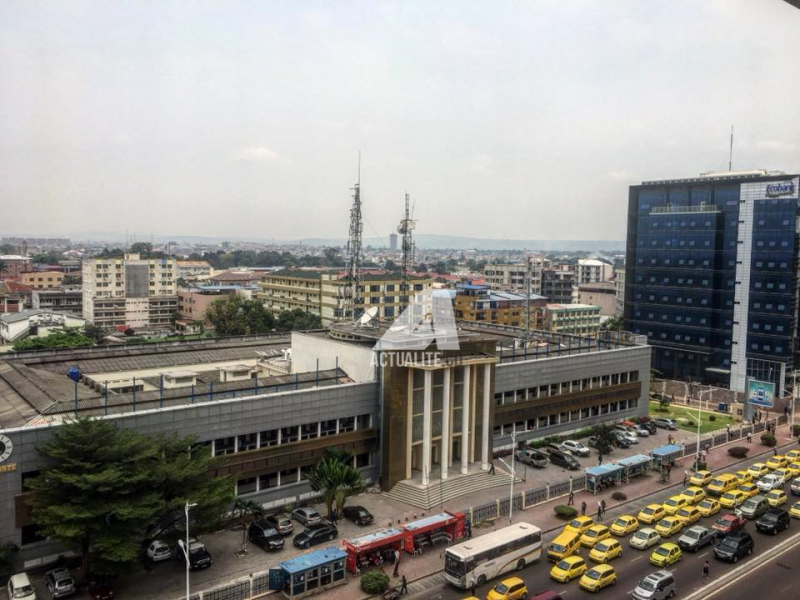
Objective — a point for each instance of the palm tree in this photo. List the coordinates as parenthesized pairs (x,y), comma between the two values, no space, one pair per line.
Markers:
(246,512)
(336,480)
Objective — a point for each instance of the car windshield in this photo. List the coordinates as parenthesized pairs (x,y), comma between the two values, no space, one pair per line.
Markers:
(647,585)
(683,512)
(591,533)
(725,521)
(501,588)
(453,565)
(729,543)
(576,524)
(556,547)
(718,482)
(692,534)
(750,504)
(770,517)
(665,523)
(662,551)
(621,522)
(729,496)
(601,547)
(706,504)
(648,511)
(22,592)
(642,535)
(672,502)
(565,565)
(593,574)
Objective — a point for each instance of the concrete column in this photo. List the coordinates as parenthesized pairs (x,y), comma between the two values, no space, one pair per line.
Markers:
(445,454)
(465,408)
(426,427)
(485,439)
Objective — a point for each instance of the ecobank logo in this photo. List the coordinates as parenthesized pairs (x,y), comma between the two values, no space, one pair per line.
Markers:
(782,188)
(428,319)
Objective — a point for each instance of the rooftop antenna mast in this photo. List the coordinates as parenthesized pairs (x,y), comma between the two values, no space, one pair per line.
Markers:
(528,286)
(406,229)
(730,154)
(353,304)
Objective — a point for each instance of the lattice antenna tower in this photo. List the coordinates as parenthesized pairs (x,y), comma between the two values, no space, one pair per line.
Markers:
(406,229)
(528,287)
(353,304)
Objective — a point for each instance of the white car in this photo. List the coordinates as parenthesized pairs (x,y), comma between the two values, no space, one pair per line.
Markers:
(631,437)
(158,551)
(796,486)
(20,588)
(575,448)
(641,431)
(645,538)
(770,482)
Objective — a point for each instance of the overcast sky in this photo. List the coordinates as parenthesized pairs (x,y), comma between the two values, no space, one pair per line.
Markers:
(501,119)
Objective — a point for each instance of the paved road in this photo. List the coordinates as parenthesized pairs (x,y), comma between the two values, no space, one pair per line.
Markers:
(634,566)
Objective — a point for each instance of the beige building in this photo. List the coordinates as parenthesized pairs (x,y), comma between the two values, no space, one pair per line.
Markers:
(619,292)
(575,319)
(194,270)
(602,294)
(512,276)
(130,292)
(591,270)
(321,292)
(42,280)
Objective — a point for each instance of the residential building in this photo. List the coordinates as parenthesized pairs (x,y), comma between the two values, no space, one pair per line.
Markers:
(591,270)
(557,284)
(602,294)
(513,276)
(711,275)
(619,293)
(193,302)
(14,296)
(290,289)
(67,299)
(194,270)
(42,280)
(130,292)
(18,326)
(478,303)
(14,265)
(242,278)
(573,319)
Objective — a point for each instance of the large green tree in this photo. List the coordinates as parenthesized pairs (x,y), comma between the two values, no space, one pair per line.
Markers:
(65,337)
(297,320)
(102,487)
(335,479)
(236,315)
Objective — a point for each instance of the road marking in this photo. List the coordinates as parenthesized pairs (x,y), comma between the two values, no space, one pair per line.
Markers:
(637,558)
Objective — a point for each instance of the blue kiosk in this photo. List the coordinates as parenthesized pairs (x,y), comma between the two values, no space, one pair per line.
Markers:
(603,476)
(666,455)
(310,573)
(635,465)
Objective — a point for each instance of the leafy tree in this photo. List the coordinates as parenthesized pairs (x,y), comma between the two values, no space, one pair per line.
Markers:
(94,333)
(69,337)
(71,280)
(246,511)
(236,315)
(298,320)
(111,253)
(612,324)
(390,265)
(3,265)
(336,480)
(605,441)
(143,249)
(422,268)
(103,486)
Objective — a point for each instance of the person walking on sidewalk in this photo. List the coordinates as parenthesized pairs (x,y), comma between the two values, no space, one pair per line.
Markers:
(603,508)
(749,437)
(583,508)
(728,427)
(491,469)
(685,477)
(599,459)
(403,586)
(396,564)
(599,510)
(706,570)
(571,498)
(774,451)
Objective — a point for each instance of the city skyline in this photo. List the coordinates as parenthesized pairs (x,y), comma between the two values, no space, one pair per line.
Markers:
(246,121)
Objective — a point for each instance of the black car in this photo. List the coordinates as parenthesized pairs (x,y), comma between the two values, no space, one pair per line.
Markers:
(265,536)
(316,534)
(773,521)
(199,556)
(563,460)
(358,515)
(650,426)
(734,546)
(620,440)
(100,588)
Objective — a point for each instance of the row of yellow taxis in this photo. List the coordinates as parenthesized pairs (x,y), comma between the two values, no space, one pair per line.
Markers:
(706,495)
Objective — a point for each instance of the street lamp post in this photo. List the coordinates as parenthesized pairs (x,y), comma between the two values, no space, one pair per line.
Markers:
(186,546)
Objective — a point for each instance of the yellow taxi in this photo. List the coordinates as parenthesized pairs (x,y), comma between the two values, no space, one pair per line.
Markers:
(598,577)
(732,499)
(606,550)
(666,555)
(579,524)
(794,512)
(784,473)
(700,478)
(792,470)
(708,507)
(568,569)
(793,455)
(749,490)
(744,477)
(777,462)
(595,533)
(669,526)
(695,495)
(652,513)
(758,470)
(776,497)
(623,525)
(512,588)
(689,515)
(673,504)
(722,483)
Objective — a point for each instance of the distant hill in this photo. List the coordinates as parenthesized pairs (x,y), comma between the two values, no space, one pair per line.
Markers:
(432,241)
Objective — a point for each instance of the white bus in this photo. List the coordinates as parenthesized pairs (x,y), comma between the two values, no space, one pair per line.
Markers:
(482,558)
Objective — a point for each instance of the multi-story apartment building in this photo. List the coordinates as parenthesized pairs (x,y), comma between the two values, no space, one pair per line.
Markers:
(557,284)
(193,270)
(573,319)
(478,303)
(619,292)
(591,270)
(513,276)
(130,292)
(42,280)
(194,302)
(14,265)
(601,294)
(62,300)
(711,275)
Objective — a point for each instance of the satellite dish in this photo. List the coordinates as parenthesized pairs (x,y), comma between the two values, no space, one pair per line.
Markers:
(368,316)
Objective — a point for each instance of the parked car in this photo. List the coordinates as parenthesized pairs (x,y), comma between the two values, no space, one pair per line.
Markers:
(770,482)
(358,515)
(99,587)
(664,423)
(650,426)
(695,538)
(306,516)
(60,583)
(158,550)
(265,536)
(625,428)
(773,521)
(316,534)
(728,523)
(641,430)
(282,523)
(592,442)
(796,487)
(532,457)
(734,546)
(19,587)
(564,460)
(656,586)
(575,448)
(628,436)
(199,556)
(621,440)
(512,588)
(550,448)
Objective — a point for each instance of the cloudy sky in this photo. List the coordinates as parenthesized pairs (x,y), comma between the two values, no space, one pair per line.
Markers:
(502,119)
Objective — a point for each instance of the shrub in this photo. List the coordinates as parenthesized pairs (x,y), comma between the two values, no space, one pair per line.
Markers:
(565,512)
(712,417)
(374,582)
(738,451)
(768,440)
(795,430)
(7,551)
(619,496)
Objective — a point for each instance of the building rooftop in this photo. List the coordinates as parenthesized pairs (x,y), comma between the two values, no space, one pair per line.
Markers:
(711,176)
(24,315)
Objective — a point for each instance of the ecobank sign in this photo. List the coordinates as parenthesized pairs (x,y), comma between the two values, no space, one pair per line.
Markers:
(781,188)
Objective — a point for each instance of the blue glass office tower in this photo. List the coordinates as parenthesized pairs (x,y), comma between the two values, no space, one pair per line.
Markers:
(711,275)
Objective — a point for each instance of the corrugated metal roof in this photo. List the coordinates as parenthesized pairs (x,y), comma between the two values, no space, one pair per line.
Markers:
(310,560)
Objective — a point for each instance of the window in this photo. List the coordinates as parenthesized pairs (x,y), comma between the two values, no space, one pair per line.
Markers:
(246,486)
(289,434)
(329,427)
(288,476)
(364,421)
(248,441)
(224,446)
(268,480)
(347,424)
(363,460)
(309,431)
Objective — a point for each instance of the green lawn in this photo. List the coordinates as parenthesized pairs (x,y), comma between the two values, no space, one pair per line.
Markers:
(687,417)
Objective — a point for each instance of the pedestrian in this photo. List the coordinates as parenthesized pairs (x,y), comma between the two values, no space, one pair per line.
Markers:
(706,570)
(599,459)
(669,470)
(728,427)
(685,477)
(599,510)
(403,586)
(396,572)
(583,508)
(749,437)
(491,469)
(775,451)
(603,507)
(571,499)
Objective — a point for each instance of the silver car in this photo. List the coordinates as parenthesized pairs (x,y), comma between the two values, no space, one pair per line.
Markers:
(306,516)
